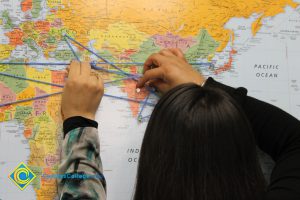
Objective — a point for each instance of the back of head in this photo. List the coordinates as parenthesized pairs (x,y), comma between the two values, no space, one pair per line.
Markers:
(198,145)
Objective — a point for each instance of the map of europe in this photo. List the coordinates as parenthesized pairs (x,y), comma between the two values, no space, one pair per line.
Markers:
(254,44)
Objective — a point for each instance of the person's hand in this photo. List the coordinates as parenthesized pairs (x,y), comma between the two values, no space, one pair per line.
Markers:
(82,93)
(168,69)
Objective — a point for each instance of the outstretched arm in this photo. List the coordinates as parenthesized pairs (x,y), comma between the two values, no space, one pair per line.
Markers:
(81,165)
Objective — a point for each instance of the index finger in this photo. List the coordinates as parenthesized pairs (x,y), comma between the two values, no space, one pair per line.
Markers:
(74,70)
(157,73)
(154,59)
(85,69)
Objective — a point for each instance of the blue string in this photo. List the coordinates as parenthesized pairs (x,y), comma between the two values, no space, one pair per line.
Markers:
(146,117)
(29,99)
(32,63)
(122,79)
(101,63)
(119,72)
(29,79)
(52,84)
(142,109)
(130,76)
(98,56)
(57,93)
(113,71)
(61,86)
(151,90)
(106,70)
(141,64)
(125,63)
(128,99)
(71,48)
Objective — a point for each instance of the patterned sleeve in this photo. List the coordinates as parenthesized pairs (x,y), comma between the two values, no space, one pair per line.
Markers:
(81,166)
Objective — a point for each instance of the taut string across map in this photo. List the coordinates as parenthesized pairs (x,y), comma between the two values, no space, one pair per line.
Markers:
(228,40)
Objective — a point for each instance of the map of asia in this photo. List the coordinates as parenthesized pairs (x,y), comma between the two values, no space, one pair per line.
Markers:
(254,44)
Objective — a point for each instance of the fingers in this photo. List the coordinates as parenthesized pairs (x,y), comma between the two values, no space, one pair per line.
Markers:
(166,52)
(85,69)
(177,52)
(82,72)
(74,70)
(154,59)
(157,73)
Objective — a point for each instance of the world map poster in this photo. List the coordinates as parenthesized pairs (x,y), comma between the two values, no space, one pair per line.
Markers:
(253,44)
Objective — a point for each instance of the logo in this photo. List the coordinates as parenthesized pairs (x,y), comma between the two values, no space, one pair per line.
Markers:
(22,176)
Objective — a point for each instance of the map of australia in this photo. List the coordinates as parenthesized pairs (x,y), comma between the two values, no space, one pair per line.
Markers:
(230,40)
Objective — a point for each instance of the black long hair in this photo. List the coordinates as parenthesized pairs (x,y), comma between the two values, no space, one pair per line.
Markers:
(198,145)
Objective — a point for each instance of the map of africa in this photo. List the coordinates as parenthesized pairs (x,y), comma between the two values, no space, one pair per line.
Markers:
(254,44)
